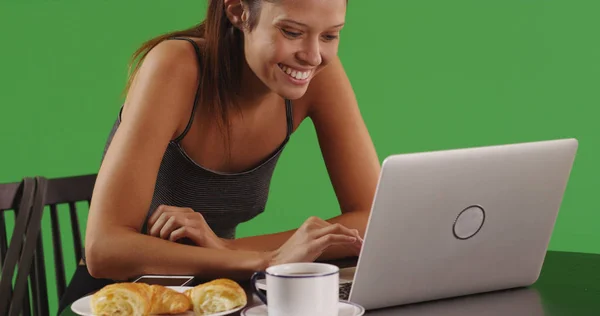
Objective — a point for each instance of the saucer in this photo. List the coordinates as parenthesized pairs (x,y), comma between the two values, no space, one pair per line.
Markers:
(345,309)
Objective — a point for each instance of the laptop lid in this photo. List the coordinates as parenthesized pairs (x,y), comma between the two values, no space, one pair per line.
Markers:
(457,222)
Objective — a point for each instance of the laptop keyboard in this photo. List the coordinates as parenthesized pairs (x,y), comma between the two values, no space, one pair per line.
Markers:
(346,279)
(345,291)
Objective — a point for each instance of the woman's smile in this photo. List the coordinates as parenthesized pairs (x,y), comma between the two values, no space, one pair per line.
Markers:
(295,75)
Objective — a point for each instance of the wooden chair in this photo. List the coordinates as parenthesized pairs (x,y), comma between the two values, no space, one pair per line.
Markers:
(27,201)
(68,190)
(54,192)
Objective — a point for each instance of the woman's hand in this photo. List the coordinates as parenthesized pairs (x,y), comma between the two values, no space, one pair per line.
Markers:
(176,223)
(313,238)
(354,248)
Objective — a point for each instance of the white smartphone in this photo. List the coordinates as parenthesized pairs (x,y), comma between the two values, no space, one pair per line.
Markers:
(166,280)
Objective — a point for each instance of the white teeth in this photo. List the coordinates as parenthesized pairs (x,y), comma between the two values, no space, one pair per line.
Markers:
(294,73)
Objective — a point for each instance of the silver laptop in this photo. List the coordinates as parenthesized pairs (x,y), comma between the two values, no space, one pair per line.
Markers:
(457,222)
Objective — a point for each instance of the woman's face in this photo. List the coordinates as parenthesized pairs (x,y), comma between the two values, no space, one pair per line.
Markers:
(292,41)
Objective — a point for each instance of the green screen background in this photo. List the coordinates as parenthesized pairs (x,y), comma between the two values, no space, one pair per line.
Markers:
(428,75)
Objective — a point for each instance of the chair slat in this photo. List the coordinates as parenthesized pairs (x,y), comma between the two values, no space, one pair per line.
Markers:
(3,239)
(26,303)
(58,253)
(76,232)
(38,278)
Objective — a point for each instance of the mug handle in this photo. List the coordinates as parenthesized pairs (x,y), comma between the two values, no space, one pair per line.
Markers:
(255,277)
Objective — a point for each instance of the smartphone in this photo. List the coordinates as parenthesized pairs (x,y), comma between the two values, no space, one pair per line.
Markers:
(166,280)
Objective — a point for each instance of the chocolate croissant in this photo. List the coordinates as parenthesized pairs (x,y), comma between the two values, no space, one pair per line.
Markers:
(138,299)
(216,296)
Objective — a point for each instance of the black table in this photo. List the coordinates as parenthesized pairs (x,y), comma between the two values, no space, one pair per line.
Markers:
(568,285)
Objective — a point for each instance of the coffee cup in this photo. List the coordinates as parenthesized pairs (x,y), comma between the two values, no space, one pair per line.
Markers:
(300,289)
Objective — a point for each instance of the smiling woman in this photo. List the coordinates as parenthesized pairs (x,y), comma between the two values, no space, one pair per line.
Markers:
(208,112)
(295,38)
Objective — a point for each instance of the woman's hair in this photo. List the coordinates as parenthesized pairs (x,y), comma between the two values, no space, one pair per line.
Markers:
(221,60)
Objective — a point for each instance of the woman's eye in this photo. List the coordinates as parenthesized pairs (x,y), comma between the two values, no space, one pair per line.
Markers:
(330,37)
(290,34)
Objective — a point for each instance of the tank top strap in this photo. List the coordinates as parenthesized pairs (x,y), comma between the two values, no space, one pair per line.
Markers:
(194,107)
(289,113)
(191,41)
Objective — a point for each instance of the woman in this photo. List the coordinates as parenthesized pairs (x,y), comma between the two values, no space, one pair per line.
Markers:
(207,114)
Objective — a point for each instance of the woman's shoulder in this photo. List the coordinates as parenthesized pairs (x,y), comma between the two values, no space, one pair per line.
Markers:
(165,84)
(174,56)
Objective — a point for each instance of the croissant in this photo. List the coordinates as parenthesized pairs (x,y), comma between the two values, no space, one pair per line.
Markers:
(122,299)
(216,296)
(168,301)
(138,299)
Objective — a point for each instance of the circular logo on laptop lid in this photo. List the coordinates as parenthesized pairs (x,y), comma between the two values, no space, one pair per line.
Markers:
(469,222)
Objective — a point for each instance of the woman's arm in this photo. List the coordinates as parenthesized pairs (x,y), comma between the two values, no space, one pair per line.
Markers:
(157,108)
(349,155)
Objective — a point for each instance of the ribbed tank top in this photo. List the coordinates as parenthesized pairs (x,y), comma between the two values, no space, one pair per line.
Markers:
(224,199)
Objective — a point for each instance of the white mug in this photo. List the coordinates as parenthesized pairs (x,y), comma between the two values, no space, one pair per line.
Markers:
(300,289)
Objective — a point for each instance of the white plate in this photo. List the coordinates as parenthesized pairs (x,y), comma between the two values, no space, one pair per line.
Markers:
(345,309)
(82,305)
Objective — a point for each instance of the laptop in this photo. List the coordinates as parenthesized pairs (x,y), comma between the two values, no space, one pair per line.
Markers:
(457,222)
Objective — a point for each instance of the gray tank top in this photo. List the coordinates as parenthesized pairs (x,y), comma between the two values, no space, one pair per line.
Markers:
(224,199)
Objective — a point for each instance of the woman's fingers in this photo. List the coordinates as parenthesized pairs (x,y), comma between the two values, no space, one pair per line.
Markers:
(161,215)
(156,227)
(354,246)
(329,240)
(161,209)
(171,225)
(334,228)
(157,213)
(185,232)
(320,223)
(181,232)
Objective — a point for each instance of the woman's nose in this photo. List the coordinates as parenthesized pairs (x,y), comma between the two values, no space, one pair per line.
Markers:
(311,53)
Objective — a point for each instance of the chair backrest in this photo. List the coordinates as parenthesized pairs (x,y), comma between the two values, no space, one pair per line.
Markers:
(68,190)
(52,193)
(27,203)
